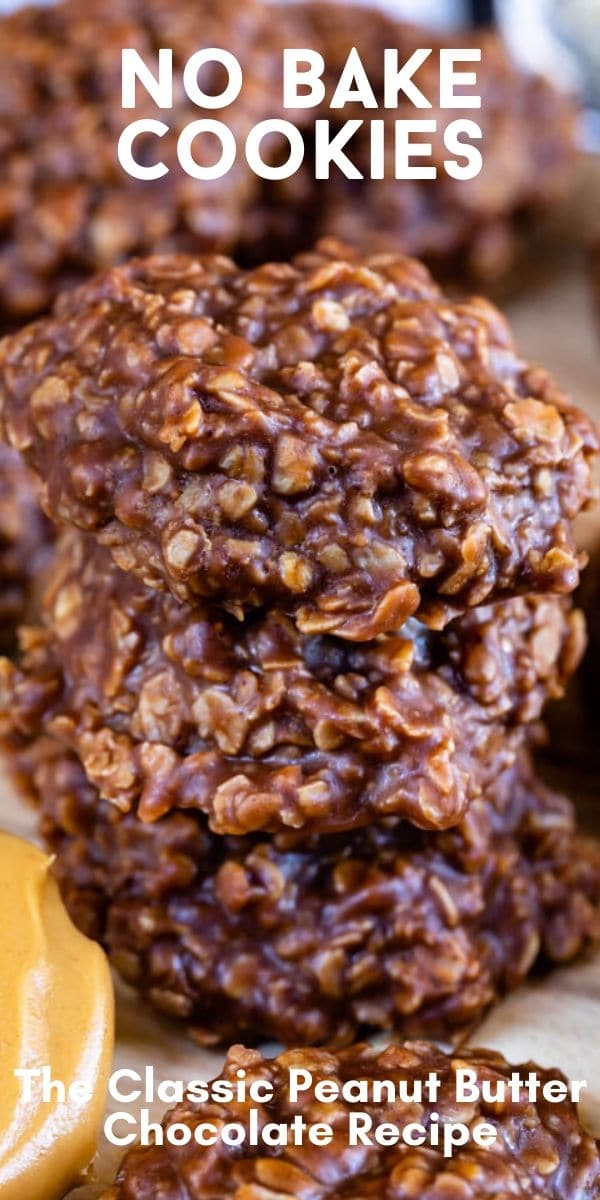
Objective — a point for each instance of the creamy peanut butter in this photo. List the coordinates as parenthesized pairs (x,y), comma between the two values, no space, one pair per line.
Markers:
(56,1011)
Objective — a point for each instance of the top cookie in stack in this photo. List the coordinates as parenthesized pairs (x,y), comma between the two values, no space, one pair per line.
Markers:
(303,455)
(67,208)
(331,435)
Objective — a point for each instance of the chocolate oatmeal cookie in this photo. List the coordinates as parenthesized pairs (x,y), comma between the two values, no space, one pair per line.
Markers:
(262,727)
(540,1151)
(309,940)
(333,436)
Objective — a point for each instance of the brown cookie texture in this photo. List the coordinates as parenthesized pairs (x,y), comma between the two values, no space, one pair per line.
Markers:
(66,204)
(311,940)
(572,752)
(331,435)
(540,1150)
(594,274)
(468,227)
(67,207)
(25,545)
(262,727)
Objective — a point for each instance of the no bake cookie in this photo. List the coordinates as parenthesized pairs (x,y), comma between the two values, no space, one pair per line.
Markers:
(332,435)
(262,727)
(309,940)
(67,207)
(540,1151)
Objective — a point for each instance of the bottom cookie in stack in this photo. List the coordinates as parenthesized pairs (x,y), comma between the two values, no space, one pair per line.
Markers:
(307,941)
(535,1148)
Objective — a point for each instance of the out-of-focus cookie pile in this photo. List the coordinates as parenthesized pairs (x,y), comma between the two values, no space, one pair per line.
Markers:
(67,206)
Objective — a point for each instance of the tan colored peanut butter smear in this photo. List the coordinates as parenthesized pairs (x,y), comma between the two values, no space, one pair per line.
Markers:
(56,1011)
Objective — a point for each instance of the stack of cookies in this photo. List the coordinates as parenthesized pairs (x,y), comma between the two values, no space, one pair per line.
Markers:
(310,598)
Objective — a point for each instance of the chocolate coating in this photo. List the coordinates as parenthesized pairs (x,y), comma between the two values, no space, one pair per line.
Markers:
(333,436)
(262,727)
(25,542)
(540,1152)
(308,941)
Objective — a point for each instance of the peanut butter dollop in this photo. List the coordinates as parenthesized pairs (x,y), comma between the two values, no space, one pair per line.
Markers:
(56,1011)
